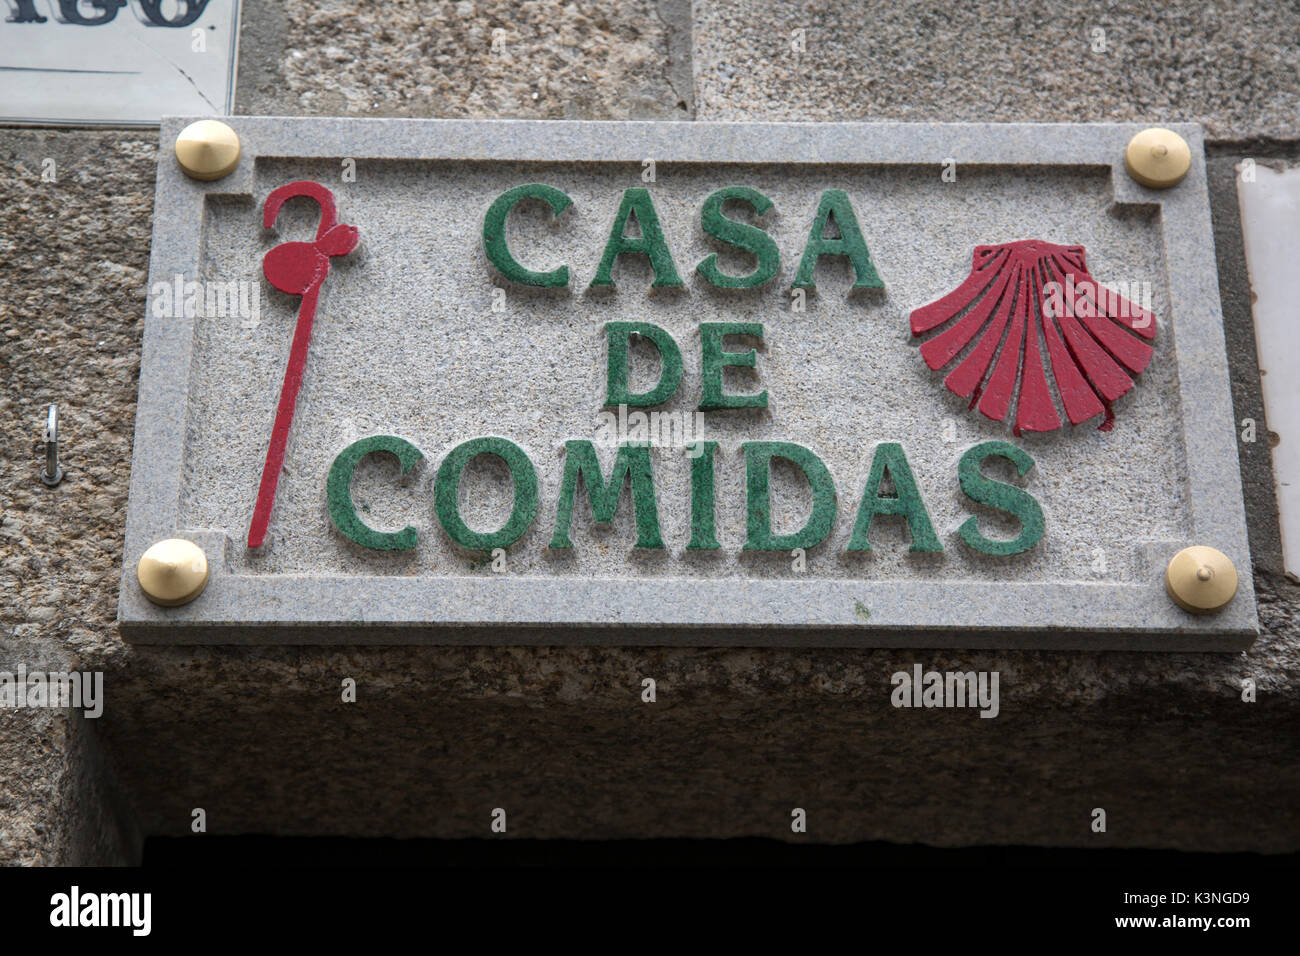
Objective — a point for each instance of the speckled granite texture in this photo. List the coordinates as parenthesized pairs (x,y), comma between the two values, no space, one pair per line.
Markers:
(440,736)
(1230,65)
(626,60)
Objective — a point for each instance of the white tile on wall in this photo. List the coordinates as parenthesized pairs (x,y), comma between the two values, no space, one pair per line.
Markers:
(1270,217)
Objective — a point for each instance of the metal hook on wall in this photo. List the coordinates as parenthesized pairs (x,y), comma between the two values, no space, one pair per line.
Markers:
(52,474)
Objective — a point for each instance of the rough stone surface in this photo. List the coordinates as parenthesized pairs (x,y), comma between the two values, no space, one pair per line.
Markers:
(1230,65)
(559,735)
(471,58)
(70,312)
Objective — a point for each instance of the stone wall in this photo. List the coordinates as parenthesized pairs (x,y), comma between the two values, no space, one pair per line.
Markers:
(258,737)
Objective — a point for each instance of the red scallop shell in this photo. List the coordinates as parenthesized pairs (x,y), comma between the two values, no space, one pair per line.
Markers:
(1004,308)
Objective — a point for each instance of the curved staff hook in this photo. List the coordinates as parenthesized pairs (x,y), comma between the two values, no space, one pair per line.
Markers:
(303,187)
(298,268)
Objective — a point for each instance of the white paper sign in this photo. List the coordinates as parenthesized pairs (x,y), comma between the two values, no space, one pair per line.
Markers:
(117,62)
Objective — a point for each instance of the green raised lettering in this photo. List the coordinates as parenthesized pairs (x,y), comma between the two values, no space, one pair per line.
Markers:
(633,462)
(741,235)
(998,494)
(338,492)
(494,234)
(906,501)
(713,360)
(835,205)
(616,337)
(447,493)
(703,533)
(758,467)
(636,203)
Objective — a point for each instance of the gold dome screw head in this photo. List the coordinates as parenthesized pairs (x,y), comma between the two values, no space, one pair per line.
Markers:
(1158,158)
(1201,580)
(207,150)
(173,572)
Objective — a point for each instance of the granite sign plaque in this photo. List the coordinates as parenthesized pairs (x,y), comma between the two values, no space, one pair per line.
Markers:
(654,383)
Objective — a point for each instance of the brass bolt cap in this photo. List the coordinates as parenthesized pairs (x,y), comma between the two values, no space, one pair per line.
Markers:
(207,150)
(173,572)
(1158,158)
(1200,579)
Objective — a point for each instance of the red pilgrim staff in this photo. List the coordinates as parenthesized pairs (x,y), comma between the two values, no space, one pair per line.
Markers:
(298,268)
